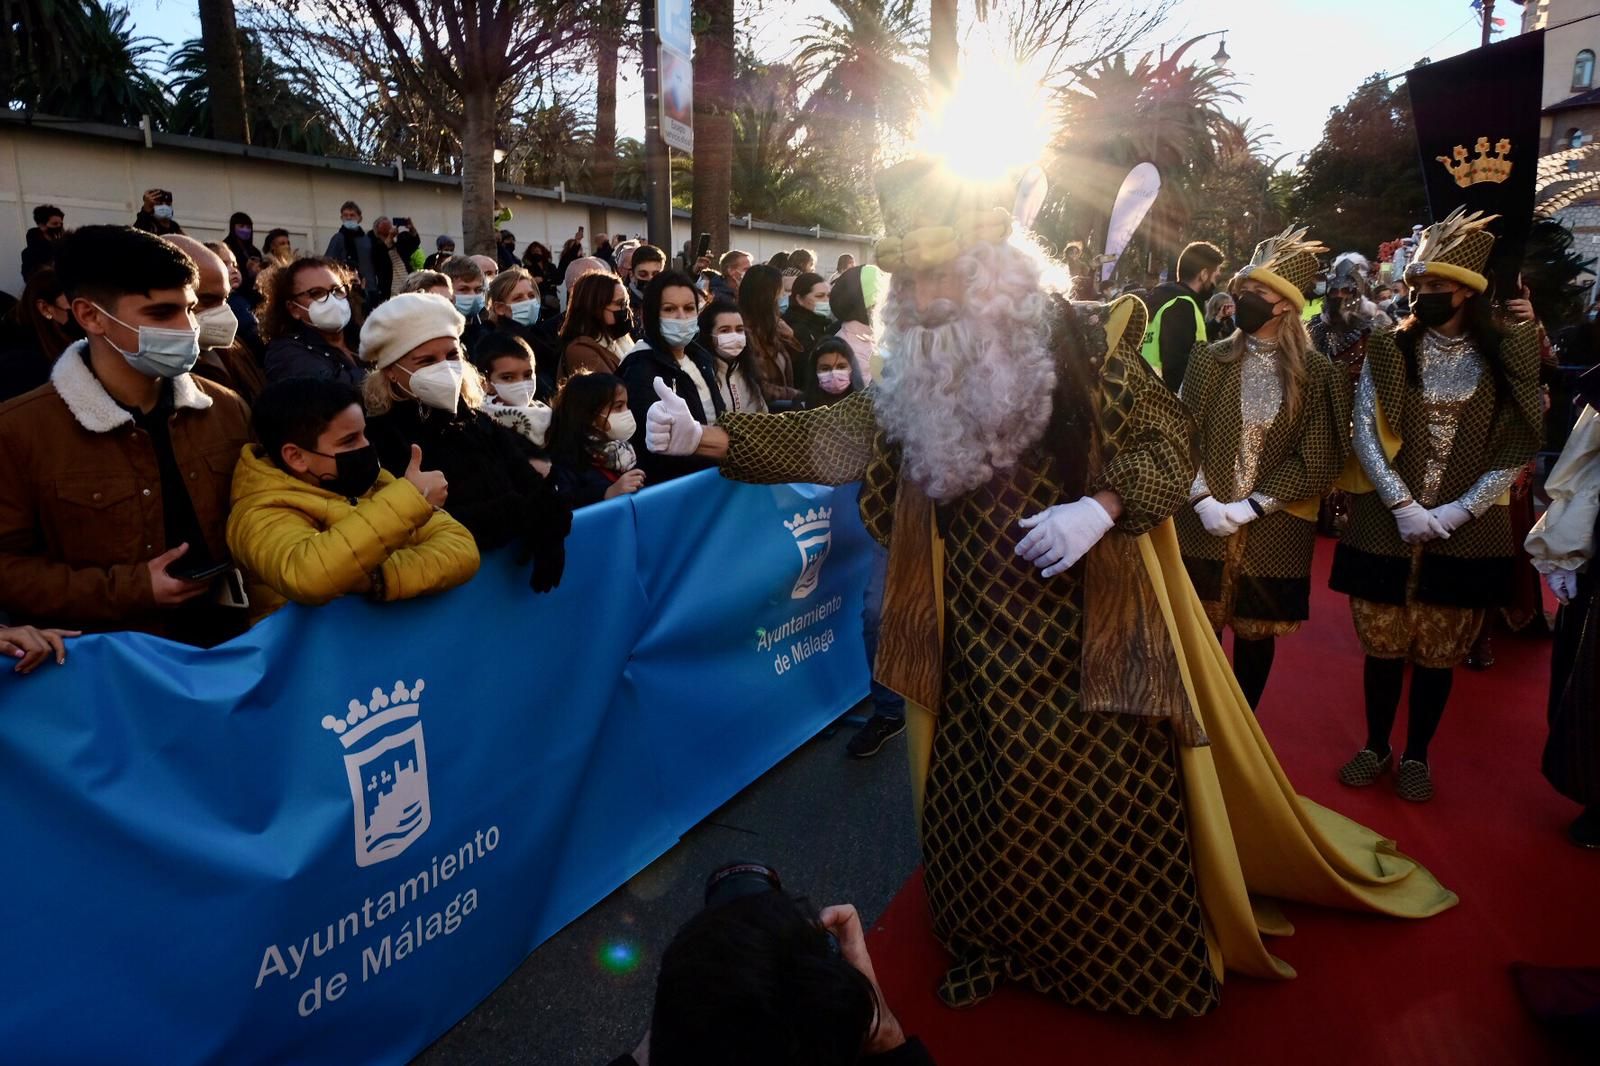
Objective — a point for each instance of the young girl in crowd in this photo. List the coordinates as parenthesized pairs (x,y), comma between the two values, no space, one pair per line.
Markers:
(851,300)
(590,436)
(831,373)
(738,379)
(514,309)
(507,365)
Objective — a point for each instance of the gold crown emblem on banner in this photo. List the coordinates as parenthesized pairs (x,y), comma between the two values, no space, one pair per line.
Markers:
(1484,166)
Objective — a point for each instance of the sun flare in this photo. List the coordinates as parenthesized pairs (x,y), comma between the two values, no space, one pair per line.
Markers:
(991,125)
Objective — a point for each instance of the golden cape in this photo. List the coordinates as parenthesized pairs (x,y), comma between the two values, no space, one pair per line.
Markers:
(1250,834)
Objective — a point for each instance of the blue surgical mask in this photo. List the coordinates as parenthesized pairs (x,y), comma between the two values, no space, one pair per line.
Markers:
(163,353)
(678,332)
(469,304)
(783,304)
(525,312)
(163,211)
(823,309)
(351,223)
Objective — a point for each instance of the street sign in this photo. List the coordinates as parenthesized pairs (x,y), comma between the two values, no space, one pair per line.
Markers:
(677,99)
(673,26)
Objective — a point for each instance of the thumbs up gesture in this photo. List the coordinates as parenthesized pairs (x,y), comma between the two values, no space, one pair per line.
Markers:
(432,484)
(669,428)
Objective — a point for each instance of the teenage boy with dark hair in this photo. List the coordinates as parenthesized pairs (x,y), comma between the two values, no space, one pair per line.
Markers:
(115,496)
(315,517)
(1177,312)
(648,261)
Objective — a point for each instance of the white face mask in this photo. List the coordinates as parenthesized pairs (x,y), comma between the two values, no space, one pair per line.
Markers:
(218,326)
(730,344)
(329,313)
(439,384)
(621,426)
(515,393)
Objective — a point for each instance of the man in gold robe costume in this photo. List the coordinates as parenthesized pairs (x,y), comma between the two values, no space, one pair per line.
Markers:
(1097,802)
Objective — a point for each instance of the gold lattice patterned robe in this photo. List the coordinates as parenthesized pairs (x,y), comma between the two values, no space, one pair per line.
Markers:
(1259,579)
(1054,839)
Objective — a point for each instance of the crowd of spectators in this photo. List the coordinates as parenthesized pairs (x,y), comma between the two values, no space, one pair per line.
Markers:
(200,432)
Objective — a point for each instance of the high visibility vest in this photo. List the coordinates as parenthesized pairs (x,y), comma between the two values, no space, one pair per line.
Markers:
(1152,335)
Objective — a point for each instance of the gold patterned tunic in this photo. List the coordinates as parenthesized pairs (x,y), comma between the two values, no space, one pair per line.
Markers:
(1055,841)
(1258,580)
(1465,426)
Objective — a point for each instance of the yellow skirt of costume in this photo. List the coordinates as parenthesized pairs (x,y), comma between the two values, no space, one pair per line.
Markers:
(1250,835)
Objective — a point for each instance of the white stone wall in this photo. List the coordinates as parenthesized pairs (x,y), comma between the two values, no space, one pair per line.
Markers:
(97,179)
(1584,221)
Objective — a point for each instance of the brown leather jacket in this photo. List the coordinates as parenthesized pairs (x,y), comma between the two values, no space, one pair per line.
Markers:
(80,502)
(587,354)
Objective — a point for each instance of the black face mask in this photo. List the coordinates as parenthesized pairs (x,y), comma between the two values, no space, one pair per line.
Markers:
(1433,308)
(1251,312)
(621,327)
(355,471)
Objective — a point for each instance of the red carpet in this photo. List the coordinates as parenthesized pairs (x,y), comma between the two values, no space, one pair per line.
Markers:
(1371,991)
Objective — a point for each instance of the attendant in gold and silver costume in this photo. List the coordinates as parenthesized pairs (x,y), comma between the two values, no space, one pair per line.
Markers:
(1099,810)
(1271,418)
(1446,413)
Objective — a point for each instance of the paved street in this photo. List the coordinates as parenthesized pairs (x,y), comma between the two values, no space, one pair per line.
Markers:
(837,829)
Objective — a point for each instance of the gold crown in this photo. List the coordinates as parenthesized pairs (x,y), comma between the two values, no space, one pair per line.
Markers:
(1484,166)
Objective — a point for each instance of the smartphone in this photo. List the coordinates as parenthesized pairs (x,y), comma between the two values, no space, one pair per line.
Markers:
(230,590)
(183,570)
(704,246)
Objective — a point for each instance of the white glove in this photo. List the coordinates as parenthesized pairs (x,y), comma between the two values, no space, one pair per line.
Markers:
(1564,583)
(1240,513)
(1214,517)
(1063,534)
(1418,524)
(669,428)
(1451,516)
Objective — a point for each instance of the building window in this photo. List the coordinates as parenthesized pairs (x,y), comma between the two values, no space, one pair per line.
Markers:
(1574,138)
(1583,70)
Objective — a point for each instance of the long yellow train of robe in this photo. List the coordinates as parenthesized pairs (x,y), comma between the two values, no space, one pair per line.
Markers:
(1250,835)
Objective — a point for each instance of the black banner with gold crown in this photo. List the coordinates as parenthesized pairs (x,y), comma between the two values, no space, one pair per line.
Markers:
(1477,121)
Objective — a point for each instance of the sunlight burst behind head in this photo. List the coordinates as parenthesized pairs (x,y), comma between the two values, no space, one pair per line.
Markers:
(992,124)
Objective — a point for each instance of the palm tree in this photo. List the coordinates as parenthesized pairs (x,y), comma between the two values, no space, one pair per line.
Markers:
(281,114)
(77,59)
(867,61)
(224,64)
(713,128)
(776,176)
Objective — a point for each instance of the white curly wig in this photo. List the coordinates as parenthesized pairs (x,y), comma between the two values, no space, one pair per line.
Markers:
(967,387)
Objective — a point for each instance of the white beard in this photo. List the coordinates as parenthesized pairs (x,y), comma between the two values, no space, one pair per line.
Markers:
(965,398)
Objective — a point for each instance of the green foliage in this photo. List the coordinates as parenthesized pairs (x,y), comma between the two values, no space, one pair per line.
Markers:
(77,59)
(281,114)
(1361,185)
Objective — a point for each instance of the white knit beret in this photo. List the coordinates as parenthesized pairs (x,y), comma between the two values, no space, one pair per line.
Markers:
(403,322)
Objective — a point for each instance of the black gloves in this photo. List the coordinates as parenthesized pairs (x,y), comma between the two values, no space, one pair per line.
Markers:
(544,541)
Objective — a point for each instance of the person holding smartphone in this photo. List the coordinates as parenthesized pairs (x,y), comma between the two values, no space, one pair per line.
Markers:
(115,499)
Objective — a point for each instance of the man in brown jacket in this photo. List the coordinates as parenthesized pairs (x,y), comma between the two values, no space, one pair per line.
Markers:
(115,496)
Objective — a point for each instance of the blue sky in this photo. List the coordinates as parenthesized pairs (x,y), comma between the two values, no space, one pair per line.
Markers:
(1294,59)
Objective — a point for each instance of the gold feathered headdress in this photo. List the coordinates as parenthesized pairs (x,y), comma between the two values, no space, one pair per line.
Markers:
(1287,264)
(1456,249)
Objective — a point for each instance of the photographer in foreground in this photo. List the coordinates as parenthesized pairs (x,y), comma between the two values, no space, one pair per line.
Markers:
(757,976)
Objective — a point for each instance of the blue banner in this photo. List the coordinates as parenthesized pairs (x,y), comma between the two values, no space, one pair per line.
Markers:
(327,840)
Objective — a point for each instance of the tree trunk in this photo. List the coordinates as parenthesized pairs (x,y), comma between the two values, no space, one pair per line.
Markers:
(477,171)
(603,169)
(942,52)
(713,125)
(219,37)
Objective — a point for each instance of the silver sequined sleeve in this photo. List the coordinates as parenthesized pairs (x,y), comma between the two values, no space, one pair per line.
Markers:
(1267,503)
(1199,489)
(1487,490)
(1369,451)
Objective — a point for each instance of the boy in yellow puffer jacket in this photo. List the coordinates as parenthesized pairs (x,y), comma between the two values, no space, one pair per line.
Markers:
(315,518)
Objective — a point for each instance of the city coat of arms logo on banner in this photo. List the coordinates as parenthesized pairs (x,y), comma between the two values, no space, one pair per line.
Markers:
(813,536)
(387,766)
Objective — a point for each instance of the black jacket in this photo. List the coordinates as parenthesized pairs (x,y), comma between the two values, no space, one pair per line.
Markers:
(494,492)
(638,372)
(304,354)
(809,327)
(580,484)
(347,246)
(1177,331)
